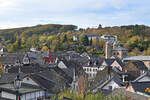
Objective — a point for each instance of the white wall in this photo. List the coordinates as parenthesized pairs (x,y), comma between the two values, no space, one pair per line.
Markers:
(111,83)
(8,95)
(91,71)
(33,95)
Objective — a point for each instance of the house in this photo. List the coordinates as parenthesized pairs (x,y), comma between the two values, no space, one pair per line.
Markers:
(26,92)
(49,86)
(11,58)
(75,37)
(91,36)
(92,67)
(109,37)
(139,88)
(134,69)
(107,63)
(119,52)
(145,59)
(117,64)
(113,81)
(3,51)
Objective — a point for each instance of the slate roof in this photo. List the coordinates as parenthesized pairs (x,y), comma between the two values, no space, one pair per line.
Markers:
(1,98)
(9,77)
(25,88)
(119,48)
(36,55)
(140,65)
(142,76)
(141,86)
(26,68)
(109,61)
(62,73)
(10,58)
(53,76)
(94,62)
(91,35)
(120,61)
(44,82)
(113,76)
(141,58)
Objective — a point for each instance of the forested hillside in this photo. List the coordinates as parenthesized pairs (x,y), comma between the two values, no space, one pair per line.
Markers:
(136,38)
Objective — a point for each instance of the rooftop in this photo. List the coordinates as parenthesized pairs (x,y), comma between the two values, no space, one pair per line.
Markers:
(25,88)
(119,48)
(142,58)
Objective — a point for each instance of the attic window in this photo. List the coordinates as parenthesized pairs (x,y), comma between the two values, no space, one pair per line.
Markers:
(27,78)
(110,87)
(114,53)
(117,53)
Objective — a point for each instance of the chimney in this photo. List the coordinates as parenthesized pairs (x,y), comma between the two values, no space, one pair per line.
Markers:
(123,78)
(69,57)
(108,50)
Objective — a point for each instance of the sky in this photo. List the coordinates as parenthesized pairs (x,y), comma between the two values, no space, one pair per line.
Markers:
(83,13)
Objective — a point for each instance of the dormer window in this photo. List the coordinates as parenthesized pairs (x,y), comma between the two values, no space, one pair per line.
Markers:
(26,60)
(89,63)
(96,63)
(114,53)
(117,53)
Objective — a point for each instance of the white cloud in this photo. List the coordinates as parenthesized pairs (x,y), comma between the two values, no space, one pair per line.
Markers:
(14,13)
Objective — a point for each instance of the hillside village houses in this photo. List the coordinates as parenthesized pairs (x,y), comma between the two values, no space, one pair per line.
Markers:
(91,36)
(44,74)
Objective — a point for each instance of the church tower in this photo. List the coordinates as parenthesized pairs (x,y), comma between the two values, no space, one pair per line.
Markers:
(108,50)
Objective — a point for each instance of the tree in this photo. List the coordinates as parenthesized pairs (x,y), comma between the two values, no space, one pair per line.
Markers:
(1,68)
(84,40)
(44,48)
(147,52)
(64,38)
(99,26)
(43,39)
(94,42)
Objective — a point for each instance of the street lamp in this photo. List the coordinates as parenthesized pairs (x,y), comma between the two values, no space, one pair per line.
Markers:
(17,85)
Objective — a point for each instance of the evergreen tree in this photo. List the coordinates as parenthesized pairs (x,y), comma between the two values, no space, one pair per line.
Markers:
(65,38)
(84,40)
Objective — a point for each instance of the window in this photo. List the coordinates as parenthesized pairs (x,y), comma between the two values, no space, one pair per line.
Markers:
(90,69)
(110,87)
(117,53)
(27,78)
(87,69)
(114,53)
(93,70)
